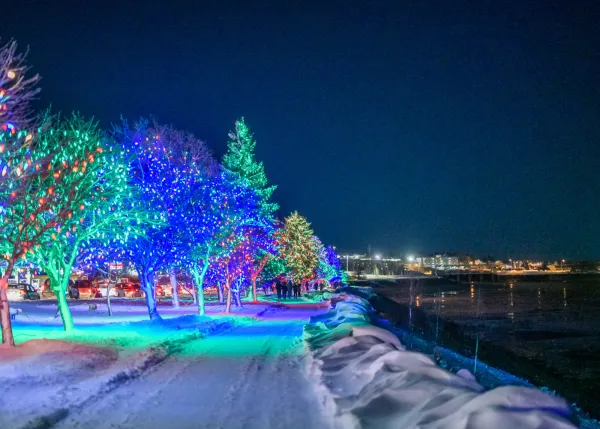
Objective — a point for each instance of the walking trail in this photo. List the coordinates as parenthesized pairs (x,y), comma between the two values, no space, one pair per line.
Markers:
(248,377)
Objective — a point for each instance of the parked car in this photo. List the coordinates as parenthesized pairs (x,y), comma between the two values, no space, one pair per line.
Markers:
(85,288)
(130,290)
(72,291)
(22,292)
(101,292)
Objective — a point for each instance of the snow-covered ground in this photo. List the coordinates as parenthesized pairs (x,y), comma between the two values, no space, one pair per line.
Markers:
(44,378)
(247,377)
(263,367)
(369,380)
(186,372)
(124,310)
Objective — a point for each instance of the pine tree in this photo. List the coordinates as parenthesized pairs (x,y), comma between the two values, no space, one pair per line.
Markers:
(298,247)
(240,160)
(330,268)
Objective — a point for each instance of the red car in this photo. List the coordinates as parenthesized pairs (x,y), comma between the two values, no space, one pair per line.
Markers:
(130,290)
(86,288)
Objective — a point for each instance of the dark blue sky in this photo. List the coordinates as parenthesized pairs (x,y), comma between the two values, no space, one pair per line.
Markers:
(467,126)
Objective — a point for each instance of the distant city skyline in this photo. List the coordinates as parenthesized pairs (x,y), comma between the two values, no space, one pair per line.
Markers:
(406,255)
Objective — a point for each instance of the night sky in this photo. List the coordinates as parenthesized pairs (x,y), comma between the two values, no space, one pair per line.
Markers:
(410,126)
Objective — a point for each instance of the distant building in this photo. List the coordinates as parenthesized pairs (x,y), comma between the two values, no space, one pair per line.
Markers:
(440,261)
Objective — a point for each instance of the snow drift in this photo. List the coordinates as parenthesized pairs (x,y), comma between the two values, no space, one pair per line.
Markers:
(369,380)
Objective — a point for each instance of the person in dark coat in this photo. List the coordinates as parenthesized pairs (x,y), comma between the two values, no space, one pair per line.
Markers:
(284,288)
(278,287)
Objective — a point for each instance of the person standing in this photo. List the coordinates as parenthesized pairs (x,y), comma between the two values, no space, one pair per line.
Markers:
(284,288)
(278,288)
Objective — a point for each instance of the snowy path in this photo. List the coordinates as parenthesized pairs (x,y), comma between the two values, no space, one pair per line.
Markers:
(248,377)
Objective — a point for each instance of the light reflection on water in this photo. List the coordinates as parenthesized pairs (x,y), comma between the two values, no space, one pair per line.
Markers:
(553,322)
(572,299)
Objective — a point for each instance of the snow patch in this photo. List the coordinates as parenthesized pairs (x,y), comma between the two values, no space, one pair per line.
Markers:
(374,331)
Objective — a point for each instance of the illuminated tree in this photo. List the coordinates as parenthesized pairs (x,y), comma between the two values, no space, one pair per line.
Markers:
(275,267)
(219,212)
(259,247)
(166,174)
(298,248)
(320,271)
(241,161)
(16,90)
(228,270)
(21,226)
(91,182)
(333,260)
(329,268)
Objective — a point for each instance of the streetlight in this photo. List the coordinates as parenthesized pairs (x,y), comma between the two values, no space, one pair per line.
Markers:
(378,256)
(411,258)
(346,256)
(561,264)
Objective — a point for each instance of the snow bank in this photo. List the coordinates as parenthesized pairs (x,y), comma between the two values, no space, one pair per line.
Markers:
(369,380)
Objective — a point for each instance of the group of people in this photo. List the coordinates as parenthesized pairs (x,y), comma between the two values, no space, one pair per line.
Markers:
(287,289)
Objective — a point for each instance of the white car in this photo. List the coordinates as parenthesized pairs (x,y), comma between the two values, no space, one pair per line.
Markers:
(102,290)
(22,292)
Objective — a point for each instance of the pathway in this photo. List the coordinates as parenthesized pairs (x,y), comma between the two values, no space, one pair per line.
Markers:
(248,377)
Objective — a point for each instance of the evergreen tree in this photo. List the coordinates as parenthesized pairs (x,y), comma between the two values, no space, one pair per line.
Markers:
(298,247)
(240,160)
(330,268)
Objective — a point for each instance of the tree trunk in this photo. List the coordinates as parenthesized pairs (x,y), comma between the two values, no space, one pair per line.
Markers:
(228,304)
(59,286)
(220,293)
(237,292)
(254,297)
(199,281)
(194,295)
(108,306)
(175,291)
(63,306)
(7,334)
(147,277)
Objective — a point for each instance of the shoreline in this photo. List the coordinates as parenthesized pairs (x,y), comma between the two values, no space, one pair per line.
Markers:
(518,346)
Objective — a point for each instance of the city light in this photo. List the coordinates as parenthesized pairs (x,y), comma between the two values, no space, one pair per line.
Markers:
(411,258)
(378,256)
